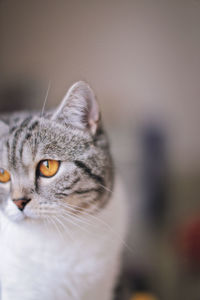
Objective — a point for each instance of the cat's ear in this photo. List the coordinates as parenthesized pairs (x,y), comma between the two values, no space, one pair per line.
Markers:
(79,108)
(4,129)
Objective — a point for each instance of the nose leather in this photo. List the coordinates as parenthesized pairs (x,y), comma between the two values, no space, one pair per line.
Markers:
(21,203)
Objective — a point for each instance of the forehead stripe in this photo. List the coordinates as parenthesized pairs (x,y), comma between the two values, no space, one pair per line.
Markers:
(27,136)
(8,150)
(16,137)
(33,126)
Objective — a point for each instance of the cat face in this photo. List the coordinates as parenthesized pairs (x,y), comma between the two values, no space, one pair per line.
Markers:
(55,164)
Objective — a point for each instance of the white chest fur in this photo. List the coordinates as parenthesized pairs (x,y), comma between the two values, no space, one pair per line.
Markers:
(78,263)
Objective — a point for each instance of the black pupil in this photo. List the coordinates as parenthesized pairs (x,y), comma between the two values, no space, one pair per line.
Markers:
(46,163)
(2,171)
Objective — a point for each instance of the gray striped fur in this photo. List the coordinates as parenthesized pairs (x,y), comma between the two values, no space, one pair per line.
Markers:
(85,176)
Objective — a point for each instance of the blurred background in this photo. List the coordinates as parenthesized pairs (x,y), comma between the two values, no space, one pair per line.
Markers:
(142,58)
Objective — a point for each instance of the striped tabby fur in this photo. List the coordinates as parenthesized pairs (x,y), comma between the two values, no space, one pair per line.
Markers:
(65,244)
(85,176)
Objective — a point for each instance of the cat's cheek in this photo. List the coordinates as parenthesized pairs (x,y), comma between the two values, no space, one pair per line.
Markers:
(31,210)
(4,192)
(5,187)
(29,213)
(3,197)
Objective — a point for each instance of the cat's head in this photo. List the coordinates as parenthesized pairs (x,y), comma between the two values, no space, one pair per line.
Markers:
(55,164)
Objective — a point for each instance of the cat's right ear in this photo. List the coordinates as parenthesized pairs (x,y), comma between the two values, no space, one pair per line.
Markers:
(79,108)
(4,129)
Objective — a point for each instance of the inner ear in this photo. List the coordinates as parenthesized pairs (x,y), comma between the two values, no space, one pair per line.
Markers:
(4,128)
(79,108)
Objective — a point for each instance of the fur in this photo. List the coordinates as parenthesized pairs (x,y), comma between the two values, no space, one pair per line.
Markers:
(67,241)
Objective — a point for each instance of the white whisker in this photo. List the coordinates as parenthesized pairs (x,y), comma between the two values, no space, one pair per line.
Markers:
(56,226)
(78,218)
(45,225)
(64,227)
(76,209)
(46,97)
(106,188)
(75,224)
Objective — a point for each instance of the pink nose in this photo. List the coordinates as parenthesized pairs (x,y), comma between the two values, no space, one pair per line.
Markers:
(21,203)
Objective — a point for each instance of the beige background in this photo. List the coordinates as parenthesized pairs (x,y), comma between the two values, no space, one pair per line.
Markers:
(140,56)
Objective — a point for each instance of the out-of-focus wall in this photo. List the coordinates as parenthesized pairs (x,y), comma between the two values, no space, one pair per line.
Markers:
(141,57)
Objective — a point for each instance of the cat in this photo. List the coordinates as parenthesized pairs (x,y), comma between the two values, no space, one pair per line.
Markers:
(63,220)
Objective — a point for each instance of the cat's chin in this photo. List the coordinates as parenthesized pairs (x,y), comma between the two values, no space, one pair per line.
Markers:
(16,217)
(29,214)
(21,217)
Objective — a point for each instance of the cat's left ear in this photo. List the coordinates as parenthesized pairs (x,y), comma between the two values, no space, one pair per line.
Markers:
(4,129)
(79,108)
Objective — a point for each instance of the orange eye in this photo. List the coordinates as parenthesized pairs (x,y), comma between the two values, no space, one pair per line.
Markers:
(48,168)
(4,176)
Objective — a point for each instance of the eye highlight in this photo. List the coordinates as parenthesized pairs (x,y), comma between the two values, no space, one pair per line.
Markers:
(4,176)
(48,168)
